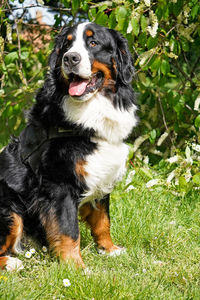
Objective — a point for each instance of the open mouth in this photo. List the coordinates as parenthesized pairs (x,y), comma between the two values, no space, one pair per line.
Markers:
(79,86)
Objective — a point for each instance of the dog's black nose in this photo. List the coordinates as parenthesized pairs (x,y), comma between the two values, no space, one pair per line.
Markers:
(71,59)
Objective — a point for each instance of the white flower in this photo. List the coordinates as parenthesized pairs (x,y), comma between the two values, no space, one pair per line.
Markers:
(152,182)
(170,177)
(130,188)
(146,160)
(144,270)
(32,251)
(66,282)
(162,138)
(196,147)
(173,159)
(130,177)
(28,254)
(172,223)
(153,29)
(147,2)
(44,249)
(158,262)
(197,103)
(130,28)
(139,140)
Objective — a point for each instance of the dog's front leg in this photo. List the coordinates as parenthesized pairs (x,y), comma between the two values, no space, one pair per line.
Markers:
(62,231)
(98,220)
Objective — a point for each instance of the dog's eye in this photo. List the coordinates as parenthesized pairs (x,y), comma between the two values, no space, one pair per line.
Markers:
(93,44)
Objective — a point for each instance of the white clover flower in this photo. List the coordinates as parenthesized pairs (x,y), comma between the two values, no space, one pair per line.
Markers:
(66,282)
(28,254)
(44,249)
(173,159)
(152,182)
(32,251)
(144,270)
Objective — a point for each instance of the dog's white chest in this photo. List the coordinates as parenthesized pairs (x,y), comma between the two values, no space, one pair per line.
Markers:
(104,168)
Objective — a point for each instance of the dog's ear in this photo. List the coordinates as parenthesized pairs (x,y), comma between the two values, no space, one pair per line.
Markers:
(123,58)
(58,45)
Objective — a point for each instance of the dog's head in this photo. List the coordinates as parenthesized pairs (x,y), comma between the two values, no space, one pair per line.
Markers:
(91,58)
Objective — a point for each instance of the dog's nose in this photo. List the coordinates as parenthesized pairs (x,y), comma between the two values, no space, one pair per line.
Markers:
(71,59)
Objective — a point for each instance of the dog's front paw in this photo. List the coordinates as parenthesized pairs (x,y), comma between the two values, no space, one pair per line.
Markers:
(13,264)
(114,251)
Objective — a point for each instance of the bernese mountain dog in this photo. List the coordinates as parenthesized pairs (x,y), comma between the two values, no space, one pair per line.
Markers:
(67,160)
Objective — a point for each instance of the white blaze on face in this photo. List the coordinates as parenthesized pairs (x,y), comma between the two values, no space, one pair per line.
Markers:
(84,68)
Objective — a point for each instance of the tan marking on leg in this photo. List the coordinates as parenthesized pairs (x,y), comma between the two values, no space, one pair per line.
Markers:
(99,223)
(79,168)
(63,246)
(14,237)
(69,249)
(3,261)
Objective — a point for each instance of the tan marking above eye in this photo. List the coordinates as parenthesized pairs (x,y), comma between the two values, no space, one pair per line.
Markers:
(89,33)
(69,37)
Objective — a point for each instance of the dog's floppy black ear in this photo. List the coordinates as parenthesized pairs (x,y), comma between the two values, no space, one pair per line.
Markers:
(59,43)
(124,58)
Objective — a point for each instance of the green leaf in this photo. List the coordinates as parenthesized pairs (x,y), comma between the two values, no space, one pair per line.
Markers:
(196,178)
(152,42)
(194,11)
(153,134)
(142,39)
(135,25)
(11,57)
(146,172)
(156,64)
(182,182)
(121,14)
(24,55)
(165,67)
(143,22)
(101,18)
(197,121)
(75,6)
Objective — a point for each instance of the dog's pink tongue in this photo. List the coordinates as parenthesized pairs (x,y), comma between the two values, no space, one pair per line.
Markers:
(77,88)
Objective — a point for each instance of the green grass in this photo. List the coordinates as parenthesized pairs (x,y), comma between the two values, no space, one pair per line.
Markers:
(162,237)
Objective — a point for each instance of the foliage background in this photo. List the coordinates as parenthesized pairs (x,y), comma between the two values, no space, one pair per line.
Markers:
(164,38)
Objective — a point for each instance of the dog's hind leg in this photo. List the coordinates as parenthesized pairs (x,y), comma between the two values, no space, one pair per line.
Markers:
(11,228)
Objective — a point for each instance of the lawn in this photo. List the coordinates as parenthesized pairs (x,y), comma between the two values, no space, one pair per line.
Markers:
(161,234)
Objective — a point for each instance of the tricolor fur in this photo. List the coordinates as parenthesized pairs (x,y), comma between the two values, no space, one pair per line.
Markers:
(48,177)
